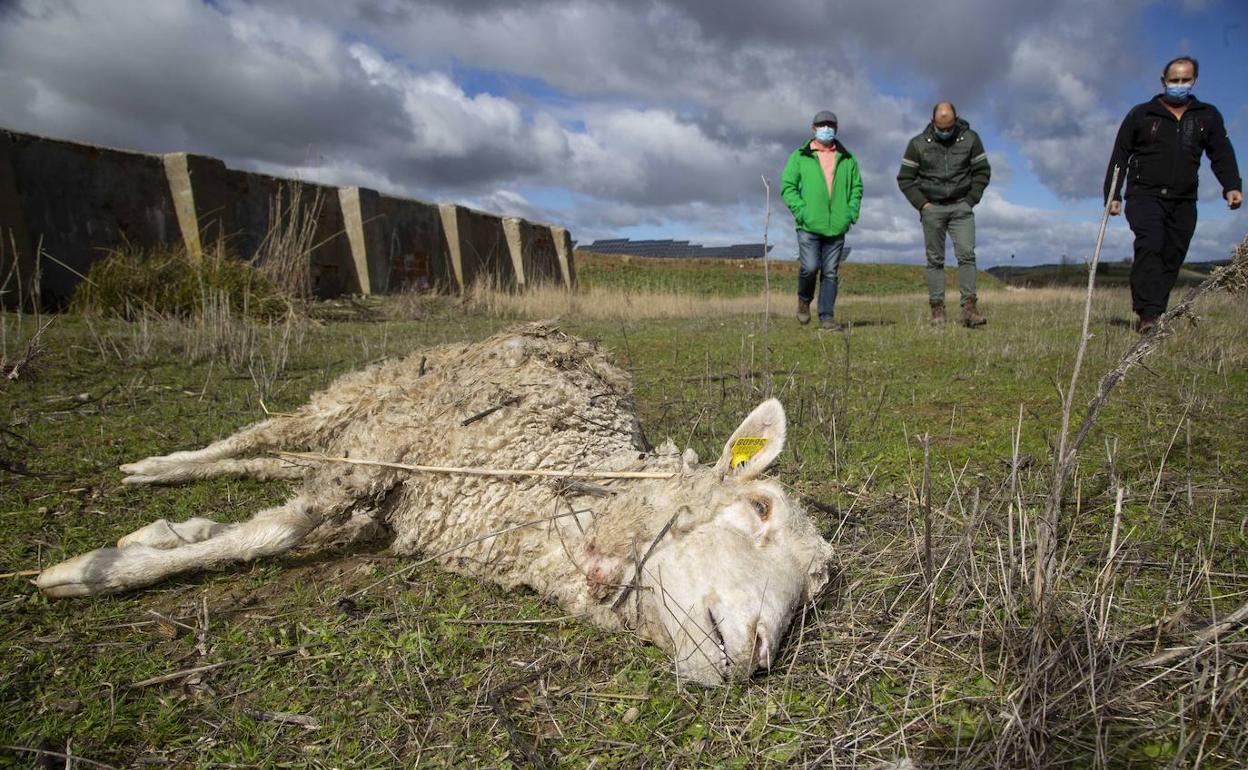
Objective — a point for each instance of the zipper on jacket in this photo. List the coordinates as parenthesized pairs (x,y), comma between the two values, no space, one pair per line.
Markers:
(1174,160)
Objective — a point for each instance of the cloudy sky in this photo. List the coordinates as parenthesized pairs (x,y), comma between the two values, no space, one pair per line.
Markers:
(644,119)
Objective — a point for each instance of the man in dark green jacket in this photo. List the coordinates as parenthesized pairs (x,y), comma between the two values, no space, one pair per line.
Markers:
(943,175)
(822,187)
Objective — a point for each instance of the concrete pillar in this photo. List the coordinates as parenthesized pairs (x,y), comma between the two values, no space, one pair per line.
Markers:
(563,253)
(17,256)
(362,221)
(450,228)
(515,247)
(200,200)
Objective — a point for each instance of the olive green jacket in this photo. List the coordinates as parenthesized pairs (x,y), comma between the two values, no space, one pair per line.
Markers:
(936,171)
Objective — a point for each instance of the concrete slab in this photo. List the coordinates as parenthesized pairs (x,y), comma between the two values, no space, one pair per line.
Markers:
(415,246)
(564,255)
(197,187)
(362,221)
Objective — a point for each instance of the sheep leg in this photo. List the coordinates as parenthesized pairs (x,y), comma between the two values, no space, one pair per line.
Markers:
(158,470)
(182,466)
(269,532)
(165,534)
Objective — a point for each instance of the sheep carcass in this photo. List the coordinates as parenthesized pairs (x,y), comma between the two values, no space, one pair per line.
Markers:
(709,564)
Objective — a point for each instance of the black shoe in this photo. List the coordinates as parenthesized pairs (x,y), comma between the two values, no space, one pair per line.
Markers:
(1146,324)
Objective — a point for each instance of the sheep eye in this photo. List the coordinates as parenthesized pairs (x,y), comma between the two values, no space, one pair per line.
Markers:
(762,507)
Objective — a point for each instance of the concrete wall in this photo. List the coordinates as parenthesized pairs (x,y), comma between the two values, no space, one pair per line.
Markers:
(413,246)
(260,204)
(81,201)
(478,247)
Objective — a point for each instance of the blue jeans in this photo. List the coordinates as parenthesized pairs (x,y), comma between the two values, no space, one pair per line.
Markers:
(818,255)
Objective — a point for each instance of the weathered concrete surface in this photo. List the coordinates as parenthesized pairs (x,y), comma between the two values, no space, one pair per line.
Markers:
(540,255)
(197,187)
(263,206)
(478,247)
(483,246)
(361,218)
(563,254)
(17,255)
(415,246)
(81,201)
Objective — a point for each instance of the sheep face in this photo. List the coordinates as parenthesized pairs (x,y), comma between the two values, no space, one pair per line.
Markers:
(723,587)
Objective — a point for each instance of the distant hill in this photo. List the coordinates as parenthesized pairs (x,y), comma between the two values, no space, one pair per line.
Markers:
(1107,274)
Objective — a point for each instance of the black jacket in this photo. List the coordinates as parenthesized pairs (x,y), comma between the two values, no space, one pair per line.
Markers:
(935,171)
(1160,156)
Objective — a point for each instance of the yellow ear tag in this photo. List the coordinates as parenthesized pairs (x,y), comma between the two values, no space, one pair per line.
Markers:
(746,447)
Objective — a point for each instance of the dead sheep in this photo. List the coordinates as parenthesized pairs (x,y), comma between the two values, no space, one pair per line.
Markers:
(709,564)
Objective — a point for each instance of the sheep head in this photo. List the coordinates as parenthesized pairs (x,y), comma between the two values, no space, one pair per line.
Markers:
(721,587)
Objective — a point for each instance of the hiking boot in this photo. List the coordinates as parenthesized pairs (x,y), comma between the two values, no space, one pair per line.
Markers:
(1145,324)
(828,325)
(938,314)
(803,311)
(970,315)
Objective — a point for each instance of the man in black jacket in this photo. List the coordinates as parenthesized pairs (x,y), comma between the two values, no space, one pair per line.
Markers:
(1157,153)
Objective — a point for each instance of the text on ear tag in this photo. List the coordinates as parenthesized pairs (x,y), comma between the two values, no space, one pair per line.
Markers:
(746,447)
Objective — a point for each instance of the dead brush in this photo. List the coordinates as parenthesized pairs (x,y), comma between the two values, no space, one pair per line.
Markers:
(929,646)
(285,253)
(21,333)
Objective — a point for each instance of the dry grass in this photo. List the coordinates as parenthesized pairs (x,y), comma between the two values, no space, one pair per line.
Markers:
(924,646)
(285,254)
(618,304)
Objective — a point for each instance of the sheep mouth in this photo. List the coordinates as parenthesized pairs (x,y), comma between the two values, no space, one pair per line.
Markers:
(717,637)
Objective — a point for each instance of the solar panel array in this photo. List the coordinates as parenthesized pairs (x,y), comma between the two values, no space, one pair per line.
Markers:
(676,249)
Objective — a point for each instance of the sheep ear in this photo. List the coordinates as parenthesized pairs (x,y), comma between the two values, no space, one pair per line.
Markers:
(753,445)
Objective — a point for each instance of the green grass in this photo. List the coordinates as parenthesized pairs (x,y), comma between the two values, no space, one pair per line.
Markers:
(737,278)
(396,678)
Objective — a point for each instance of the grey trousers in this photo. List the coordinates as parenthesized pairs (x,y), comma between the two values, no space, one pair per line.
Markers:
(958,221)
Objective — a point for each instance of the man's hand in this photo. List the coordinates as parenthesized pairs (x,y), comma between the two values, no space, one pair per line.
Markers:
(1115,208)
(925,205)
(1234,199)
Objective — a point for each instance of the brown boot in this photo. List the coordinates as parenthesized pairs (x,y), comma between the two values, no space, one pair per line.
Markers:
(938,314)
(970,314)
(803,311)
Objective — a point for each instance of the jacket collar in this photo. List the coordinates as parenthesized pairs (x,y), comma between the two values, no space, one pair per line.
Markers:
(960,127)
(840,148)
(1156,106)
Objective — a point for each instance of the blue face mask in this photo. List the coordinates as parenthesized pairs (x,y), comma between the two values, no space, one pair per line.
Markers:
(942,135)
(1178,94)
(825,134)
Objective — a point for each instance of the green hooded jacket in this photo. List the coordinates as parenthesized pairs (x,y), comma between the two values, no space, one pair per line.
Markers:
(805,191)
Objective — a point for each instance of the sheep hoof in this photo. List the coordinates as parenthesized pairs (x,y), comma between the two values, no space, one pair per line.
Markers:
(82,575)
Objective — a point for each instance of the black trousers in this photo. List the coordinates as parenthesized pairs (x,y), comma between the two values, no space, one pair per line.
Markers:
(1163,230)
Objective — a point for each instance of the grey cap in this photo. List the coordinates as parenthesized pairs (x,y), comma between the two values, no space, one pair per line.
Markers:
(824,116)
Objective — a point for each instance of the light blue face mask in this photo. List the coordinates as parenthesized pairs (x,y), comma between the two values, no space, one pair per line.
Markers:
(1178,94)
(942,135)
(825,134)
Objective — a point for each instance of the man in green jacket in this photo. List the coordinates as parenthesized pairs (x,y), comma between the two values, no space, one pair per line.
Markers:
(822,187)
(943,175)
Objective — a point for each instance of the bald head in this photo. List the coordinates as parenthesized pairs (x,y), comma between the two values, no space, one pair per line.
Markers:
(944,115)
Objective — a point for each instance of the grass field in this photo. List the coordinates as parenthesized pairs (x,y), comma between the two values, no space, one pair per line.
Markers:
(276,668)
(736,278)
